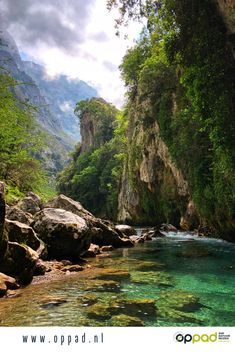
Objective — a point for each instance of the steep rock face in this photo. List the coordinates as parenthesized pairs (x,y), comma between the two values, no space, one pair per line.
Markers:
(227,10)
(153,189)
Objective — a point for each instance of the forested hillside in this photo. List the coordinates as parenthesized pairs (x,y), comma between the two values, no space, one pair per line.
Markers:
(93,175)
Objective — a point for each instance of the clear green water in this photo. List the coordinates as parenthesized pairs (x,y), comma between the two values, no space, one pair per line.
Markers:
(160,269)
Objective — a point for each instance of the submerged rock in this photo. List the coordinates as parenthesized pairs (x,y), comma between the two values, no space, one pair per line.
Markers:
(87,299)
(126,321)
(113,274)
(149,265)
(66,234)
(99,285)
(99,312)
(177,316)
(50,302)
(159,278)
(134,307)
(194,252)
(73,268)
(180,300)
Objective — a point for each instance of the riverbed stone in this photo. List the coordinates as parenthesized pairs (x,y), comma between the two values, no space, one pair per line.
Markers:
(73,268)
(99,285)
(168,227)
(7,282)
(153,233)
(49,302)
(179,300)
(66,235)
(134,307)
(92,251)
(194,252)
(107,248)
(99,311)
(159,278)
(125,229)
(88,299)
(171,314)
(149,266)
(123,320)
(112,274)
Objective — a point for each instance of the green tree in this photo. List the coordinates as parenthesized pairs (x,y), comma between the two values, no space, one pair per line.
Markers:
(19,140)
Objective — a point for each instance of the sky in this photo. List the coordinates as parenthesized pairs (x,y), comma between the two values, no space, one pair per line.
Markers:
(72,37)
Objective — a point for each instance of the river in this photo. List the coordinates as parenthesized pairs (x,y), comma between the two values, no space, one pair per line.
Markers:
(178,280)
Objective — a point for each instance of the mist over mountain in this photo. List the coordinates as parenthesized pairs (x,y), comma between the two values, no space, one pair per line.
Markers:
(53,102)
(61,95)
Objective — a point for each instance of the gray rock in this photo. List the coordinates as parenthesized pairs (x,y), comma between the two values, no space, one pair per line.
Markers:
(126,230)
(22,233)
(16,214)
(92,251)
(30,204)
(107,248)
(7,282)
(68,204)
(168,228)
(20,262)
(103,233)
(66,234)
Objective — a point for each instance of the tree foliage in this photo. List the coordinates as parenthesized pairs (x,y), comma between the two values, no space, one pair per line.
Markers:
(19,140)
(93,176)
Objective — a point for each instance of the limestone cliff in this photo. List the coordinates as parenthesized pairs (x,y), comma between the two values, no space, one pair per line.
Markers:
(227,10)
(153,189)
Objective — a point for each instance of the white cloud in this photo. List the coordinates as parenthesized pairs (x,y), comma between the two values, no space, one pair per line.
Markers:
(92,51)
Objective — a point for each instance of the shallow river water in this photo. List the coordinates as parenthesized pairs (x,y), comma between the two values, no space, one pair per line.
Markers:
(179,280)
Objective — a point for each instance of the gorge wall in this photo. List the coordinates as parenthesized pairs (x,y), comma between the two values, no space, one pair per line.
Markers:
(157,184)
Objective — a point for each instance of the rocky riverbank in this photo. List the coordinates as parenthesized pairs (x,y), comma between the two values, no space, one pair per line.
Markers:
(41,242)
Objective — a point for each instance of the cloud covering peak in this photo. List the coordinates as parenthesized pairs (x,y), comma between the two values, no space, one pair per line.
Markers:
(57,23)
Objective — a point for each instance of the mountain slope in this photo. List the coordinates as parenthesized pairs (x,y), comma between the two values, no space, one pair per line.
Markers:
(61,94)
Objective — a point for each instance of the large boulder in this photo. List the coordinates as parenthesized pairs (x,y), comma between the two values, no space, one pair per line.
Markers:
(16,214)
(20,262)
(103,233)
(22,233)
(3,234)
(30,204)
(66,234)
(68,204)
